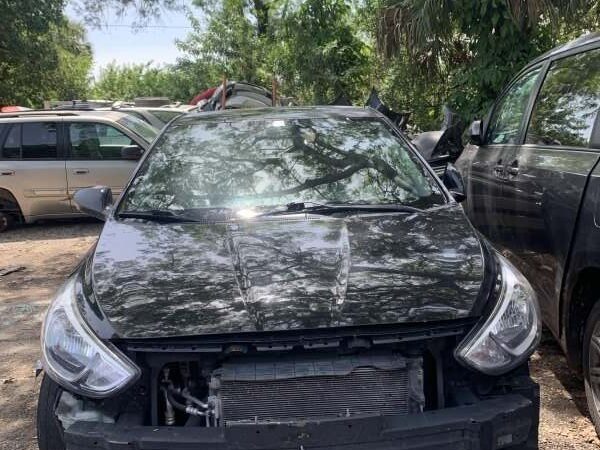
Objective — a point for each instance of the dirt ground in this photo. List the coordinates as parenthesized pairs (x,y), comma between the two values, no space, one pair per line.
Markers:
(42,255)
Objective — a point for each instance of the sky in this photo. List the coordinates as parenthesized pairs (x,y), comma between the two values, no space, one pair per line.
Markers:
(118,41)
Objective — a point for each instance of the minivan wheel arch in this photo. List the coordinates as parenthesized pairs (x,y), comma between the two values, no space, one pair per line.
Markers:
(10,205)
(583,296)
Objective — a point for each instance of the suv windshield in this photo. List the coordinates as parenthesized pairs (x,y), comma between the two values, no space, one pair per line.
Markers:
(252,164)
(147,132)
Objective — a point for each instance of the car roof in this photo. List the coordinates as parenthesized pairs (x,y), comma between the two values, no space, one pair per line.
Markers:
(592,39)
(52,114)
(295,112)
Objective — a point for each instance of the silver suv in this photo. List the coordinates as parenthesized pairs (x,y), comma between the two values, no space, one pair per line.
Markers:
(45,157)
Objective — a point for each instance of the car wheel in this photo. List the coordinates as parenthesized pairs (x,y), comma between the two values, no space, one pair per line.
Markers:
(6,221)
(49,430)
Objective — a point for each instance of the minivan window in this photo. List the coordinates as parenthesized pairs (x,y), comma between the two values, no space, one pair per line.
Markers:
(38,140)
(90,140)
(506,119)
(567,106)
(204,165)
(12,143)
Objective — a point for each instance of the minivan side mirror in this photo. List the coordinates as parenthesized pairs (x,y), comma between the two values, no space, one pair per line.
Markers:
(132,152)
(94,201)
(476,132)
(452,179)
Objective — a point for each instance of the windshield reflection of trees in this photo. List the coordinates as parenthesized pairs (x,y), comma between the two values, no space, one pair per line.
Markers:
(256,162)
(286,273)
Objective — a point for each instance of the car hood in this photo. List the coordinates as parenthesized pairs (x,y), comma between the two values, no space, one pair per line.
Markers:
(283,273)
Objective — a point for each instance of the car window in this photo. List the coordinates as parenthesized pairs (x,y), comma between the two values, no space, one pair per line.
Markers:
(90,140)
(506,119)
(138,115)
(144,130)
(12,143)
(165,116)
(567,106)
(38,140)
(249,163)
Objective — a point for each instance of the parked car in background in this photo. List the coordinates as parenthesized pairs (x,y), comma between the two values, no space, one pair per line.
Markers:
(157,117)
(533,188)
(442,146)
(288,278)
(46,156)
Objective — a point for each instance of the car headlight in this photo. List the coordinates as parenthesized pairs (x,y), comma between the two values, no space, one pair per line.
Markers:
(511,332)
(74,357)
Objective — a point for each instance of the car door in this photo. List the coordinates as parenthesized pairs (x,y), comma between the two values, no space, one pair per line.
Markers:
(547,175)
(33,169)
(486,201)
(94,157)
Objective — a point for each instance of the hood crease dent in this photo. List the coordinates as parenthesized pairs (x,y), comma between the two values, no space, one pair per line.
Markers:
(289,273)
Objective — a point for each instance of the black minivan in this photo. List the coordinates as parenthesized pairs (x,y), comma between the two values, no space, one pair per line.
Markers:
(292,278)
(532,178)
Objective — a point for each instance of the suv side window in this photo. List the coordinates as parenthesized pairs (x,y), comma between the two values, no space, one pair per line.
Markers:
(506,119)
(566,108)
(166,116)
(38,140)
(90,140)
(12,143)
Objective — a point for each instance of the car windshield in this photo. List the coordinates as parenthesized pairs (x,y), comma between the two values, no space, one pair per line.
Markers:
(251,164)
(146,131)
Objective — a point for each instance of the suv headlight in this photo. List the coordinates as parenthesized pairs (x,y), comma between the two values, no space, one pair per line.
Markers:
(511,332)
(74,357)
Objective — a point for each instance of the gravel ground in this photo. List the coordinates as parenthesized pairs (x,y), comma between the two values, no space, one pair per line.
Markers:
(44,254)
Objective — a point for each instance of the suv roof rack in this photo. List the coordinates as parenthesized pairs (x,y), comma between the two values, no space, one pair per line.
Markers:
(36,113)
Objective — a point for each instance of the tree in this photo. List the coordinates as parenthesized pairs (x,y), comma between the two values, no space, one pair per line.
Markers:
(323,53)
(42,54)
(474,47)
(179,82)
(313,47)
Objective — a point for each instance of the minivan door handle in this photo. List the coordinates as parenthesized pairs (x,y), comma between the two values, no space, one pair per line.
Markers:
(7,172)
(81,171)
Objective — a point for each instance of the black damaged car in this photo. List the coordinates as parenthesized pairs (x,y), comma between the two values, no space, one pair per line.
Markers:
(288,279)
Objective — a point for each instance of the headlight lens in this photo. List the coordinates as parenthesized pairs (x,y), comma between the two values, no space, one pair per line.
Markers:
(512,331)
(75,357)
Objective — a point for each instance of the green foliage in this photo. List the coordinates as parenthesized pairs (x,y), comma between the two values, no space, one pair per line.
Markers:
(179,82)
(42,55)
(420,54)
(313,47)
(322,53)
(470,49)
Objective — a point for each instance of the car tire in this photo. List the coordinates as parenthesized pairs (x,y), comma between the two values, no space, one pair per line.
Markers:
(50,433)
(591,364)
(6,221)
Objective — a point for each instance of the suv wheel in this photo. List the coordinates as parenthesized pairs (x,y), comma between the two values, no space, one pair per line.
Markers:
(6,221)
(49,429)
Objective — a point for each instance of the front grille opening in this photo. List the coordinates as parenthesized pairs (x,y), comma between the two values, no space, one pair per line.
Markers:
(291,388)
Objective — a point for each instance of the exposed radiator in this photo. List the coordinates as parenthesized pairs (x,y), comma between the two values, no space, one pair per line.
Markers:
(252,391)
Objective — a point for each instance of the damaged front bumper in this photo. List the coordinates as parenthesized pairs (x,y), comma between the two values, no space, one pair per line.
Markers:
(505,422)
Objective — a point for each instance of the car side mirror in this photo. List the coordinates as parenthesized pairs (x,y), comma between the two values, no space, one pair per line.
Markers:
(94,201)
(132,152)
(453,181)
(476,132)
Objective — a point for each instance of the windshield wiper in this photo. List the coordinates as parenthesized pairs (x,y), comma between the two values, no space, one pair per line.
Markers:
(319,208)
(156,215)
